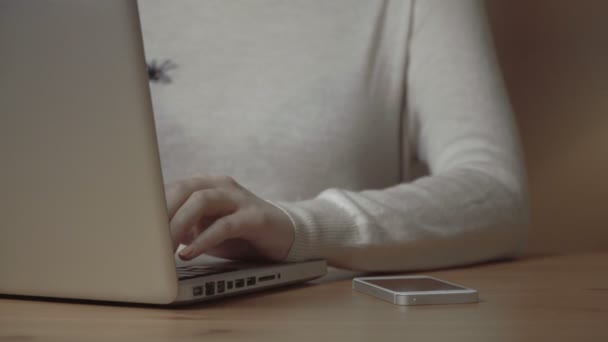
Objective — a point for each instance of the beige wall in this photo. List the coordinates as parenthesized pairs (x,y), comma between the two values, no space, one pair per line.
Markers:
(554,56)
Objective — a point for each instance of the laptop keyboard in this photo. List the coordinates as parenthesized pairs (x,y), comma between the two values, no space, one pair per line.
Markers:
(195,271)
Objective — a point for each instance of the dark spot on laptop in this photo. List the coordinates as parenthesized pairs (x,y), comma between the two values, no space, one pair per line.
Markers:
(159,71)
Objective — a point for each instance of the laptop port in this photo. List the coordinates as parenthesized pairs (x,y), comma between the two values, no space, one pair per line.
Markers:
(230,284)
(239,283)
(221,286)
(210,288)
(267,278)
(250,281)
(197,291)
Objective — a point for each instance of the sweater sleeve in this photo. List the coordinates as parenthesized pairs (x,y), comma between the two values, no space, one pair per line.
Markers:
(472,207)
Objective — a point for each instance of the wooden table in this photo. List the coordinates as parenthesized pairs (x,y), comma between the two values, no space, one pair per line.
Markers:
(558,298)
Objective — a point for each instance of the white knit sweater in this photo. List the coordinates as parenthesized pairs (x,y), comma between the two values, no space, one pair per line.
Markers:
(331,109)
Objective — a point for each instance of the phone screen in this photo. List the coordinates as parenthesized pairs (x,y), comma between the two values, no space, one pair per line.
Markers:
(413,284)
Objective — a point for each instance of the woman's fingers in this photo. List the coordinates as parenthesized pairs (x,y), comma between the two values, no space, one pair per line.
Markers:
(210,214)
(225,228)
(200,204)
(232,248)
(178,192)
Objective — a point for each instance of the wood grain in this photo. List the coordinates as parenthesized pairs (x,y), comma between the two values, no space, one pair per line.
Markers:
(561,298)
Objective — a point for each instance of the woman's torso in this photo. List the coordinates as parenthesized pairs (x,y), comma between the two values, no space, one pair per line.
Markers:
(289,97)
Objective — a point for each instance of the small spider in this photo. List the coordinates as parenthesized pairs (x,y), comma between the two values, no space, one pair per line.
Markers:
(158,72)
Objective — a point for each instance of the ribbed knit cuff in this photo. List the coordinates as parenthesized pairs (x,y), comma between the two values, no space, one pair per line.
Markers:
(319,226)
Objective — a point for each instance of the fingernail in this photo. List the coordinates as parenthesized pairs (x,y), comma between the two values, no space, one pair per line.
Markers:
(185,253)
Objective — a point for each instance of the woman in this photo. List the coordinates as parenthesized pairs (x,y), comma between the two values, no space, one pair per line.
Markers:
(374,134)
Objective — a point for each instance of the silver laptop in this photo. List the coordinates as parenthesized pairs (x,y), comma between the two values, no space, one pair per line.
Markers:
(82,208)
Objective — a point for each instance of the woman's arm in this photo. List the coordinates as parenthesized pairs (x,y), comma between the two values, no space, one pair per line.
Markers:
(473,207)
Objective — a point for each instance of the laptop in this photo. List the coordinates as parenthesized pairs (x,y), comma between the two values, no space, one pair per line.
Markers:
(82,208)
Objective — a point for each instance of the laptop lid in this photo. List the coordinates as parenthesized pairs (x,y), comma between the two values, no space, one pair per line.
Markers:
(82,210)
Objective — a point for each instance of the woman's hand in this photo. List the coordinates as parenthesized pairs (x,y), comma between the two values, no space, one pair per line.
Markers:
(217,216)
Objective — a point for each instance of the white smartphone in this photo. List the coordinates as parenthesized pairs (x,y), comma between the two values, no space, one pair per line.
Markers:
(415,290)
